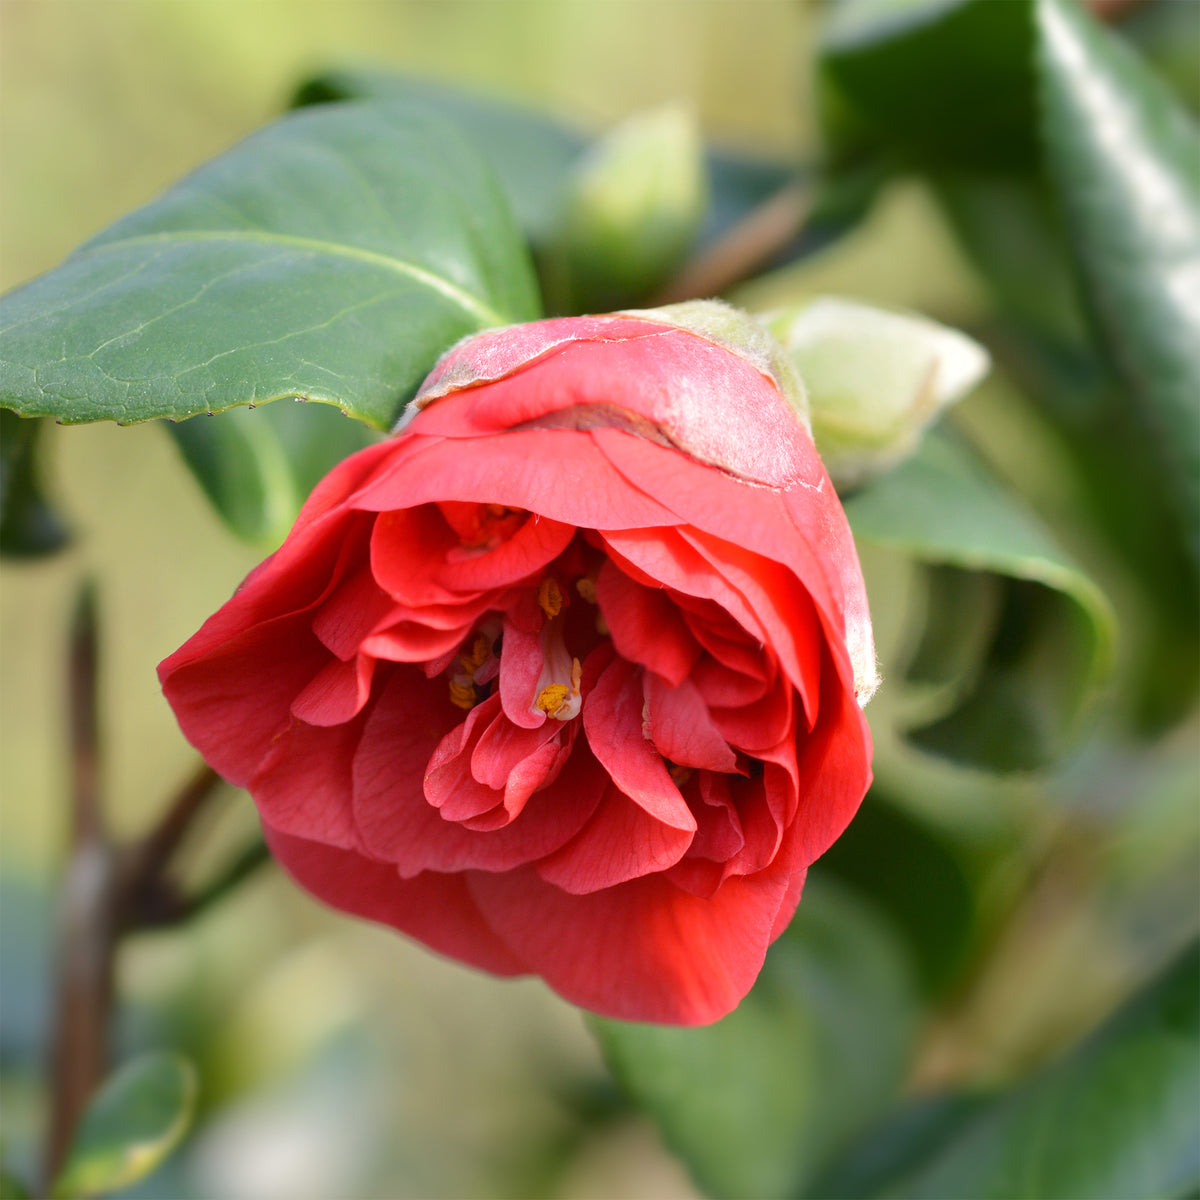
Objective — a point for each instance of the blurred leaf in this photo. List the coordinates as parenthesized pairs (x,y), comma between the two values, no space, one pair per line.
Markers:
(134,1121)
(755,1103)
(1116,1117)
(1052,640)
(1124,159)
(11,1188)
(257,467)
(1166,35)
(928,82)
(880,855)
(29,527)
(332,256)
(632,207)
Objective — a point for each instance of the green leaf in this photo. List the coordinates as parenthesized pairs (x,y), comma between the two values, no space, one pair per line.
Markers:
(756,1102)
(924,82)
(29,526)
(134,1121)
(533,154)
(530,153)
(331,256)
(1116,1117)
(1050,643)
(880,854)
(1124,159)
(11,1188)
(258,466)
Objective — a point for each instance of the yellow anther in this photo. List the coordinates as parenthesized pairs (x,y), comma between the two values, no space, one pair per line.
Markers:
(462,692)
(587,589)
(679,774)
(550,597)
(478,655)
(552,699)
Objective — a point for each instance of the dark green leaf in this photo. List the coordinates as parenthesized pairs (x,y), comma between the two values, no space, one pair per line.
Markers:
(1051,640)
(1125,162)
(880,855)
(11,1188)
(258,466)
(533,154)
(756,1102)
(134,1121)
(28,525)
(331,256)
(1117,1117)
(925,82)
(530,153)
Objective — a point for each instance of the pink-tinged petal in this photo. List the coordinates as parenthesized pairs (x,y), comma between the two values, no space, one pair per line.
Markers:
(795,634)
(497,353)
(408,549)
(514,760)
(726,640)
(337,692)
(668,385)
(645,624)
(356,608)
(538,542)
(583,489)
(612,718)
(344,480)
(303,786)
(408,642)
(681,727)
(621,841)
(663,558)
(488,767)
(722,687)
(398,824)
(834,768)
(232,701)
(756,727)
(643,950)
(521,661)
(791,901)
(438,910)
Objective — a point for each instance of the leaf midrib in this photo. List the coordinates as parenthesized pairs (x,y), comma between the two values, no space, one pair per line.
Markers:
(463,299)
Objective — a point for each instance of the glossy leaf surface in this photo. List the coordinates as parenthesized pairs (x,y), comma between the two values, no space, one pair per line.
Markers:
(1124,158)
(331,256)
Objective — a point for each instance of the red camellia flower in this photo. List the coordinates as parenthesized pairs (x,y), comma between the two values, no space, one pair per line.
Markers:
(561,679)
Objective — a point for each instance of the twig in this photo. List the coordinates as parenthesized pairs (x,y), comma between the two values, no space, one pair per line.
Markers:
(748,245)
(86,933)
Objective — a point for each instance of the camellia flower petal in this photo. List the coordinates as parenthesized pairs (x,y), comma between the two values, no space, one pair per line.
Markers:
(566,677)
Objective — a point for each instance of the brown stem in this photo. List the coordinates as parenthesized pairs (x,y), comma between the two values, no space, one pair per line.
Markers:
(749,244)
(86,931)
(1114,10)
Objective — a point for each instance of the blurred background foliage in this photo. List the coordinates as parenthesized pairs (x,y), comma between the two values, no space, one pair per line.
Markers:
(968,930)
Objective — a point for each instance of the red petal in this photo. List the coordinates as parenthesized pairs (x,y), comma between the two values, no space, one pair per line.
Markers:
(337,693)
(644,950)
(612,717)
(645,624)
(438,910)
(682,728)
(621,841)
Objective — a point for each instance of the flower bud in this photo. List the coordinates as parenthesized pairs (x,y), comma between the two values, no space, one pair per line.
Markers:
(635,203)
(875,379)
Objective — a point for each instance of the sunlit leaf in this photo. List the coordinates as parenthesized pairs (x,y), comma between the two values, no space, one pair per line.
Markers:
(1124,158)
(1049,642)
(134,1121)
(331,256)
(755,1103)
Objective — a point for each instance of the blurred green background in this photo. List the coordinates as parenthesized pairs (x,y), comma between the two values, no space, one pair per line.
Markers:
(337,1059)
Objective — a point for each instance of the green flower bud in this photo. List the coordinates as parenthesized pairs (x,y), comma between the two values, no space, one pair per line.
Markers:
(631,212)
(875,379)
